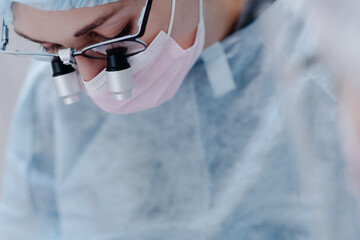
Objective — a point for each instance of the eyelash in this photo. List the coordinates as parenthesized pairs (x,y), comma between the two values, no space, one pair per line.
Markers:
(96,37)
(53,49)
(126,31)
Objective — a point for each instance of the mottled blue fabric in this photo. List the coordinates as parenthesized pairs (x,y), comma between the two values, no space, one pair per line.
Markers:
(53,5)
(198,167)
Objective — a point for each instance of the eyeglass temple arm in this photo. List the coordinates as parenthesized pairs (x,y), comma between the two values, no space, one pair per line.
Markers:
(4,36)
(146,18)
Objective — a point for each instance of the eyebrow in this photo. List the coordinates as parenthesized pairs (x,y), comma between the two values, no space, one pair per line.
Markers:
(28,38)
(97,23)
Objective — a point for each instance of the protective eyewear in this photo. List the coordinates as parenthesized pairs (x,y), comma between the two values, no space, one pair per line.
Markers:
(131,43)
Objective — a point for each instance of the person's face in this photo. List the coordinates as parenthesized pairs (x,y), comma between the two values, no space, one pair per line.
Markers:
(78,28)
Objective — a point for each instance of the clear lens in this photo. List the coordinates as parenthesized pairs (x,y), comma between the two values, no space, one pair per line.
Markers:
(22,47)
(133,47)
(20,44)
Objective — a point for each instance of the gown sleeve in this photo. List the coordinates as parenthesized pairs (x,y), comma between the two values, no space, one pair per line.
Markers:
(28,206)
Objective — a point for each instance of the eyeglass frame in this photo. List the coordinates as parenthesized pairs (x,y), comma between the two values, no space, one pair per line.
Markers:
(142,23)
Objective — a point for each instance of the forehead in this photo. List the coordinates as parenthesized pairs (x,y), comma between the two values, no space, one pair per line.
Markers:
(37,23)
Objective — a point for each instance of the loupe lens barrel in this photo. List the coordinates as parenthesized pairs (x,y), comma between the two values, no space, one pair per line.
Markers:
(117,60)
(59,68)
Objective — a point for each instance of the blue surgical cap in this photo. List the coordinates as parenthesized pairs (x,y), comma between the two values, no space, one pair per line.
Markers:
(51,5)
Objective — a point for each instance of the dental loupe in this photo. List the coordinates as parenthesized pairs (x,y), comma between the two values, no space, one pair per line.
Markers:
(66,79)
(119,75)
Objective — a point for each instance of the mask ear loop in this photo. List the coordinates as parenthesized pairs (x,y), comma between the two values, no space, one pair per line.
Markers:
(173,8)
(201,11)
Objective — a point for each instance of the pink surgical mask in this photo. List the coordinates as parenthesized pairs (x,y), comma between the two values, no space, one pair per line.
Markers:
(158,73)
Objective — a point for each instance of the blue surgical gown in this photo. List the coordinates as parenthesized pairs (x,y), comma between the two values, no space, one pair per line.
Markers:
(215,163)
